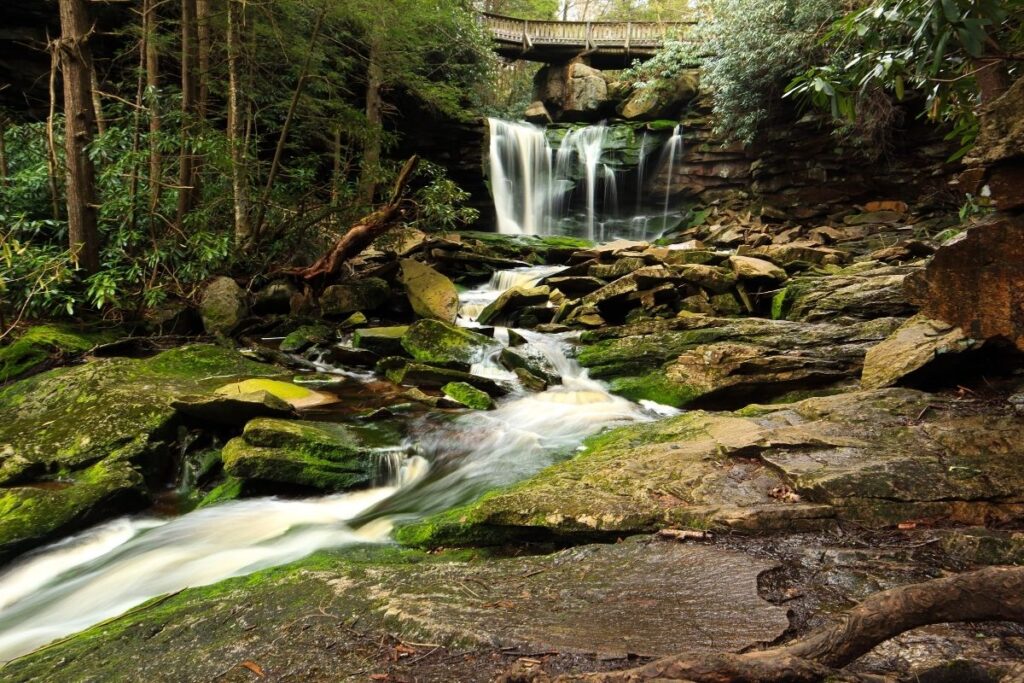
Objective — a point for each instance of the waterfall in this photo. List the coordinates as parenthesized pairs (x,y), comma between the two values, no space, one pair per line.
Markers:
(520,167)
(673,150)
(577,189)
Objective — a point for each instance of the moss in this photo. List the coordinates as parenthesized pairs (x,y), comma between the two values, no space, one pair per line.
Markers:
(439,343)
(44,343)
(654,387)
(779,304)
(306,336)
(459,526)
(286,391)
(467,395)
(227,491)
(199,362)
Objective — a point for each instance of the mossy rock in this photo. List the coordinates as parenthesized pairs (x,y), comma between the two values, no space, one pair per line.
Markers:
(46,344)
(230,489)
(304,337)
(111,415)
(384,341)
(440,343)
(431,294)
(360,295)
(467,395)
(31,515)
(324,456)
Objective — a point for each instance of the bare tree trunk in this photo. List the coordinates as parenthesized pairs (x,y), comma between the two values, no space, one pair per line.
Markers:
(149,32)
(375,119)
(51,137)
(236,127)
(76,65)
(97,104)
(335,171)
(275,165)
(186,169)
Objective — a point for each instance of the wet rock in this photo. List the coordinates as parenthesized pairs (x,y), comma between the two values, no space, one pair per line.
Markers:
(431,294)
(304,337)
(439,343)
(748,268)
(573,601)
(512,300)
(383,341)
(233,410)
(401,371)
(223,306)
(724,361)
(877,458)
(860,292)
(320,455)
(468,395)
(529,359)
(101,427)
(292,394)
(532,382)
(368,294)
(34,514)
(977,282)
(916,343)
(344,356)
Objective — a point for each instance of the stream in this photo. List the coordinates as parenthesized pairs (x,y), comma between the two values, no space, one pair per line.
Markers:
(104,571)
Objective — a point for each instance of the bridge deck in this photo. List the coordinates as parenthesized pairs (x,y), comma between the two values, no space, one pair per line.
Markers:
(608,44)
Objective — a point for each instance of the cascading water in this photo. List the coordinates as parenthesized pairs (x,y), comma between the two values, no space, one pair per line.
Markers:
(108,569)
(576,189)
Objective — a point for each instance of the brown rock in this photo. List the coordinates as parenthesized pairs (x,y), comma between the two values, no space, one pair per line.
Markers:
(977,283)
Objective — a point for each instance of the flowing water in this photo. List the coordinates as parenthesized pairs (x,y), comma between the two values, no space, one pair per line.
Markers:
(577,189)
(106,570)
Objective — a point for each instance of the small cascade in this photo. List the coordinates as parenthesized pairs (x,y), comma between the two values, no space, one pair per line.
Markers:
(641,167)
(673,151)
(611,197)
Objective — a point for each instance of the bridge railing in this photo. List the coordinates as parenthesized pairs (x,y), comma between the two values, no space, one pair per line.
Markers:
(588,34)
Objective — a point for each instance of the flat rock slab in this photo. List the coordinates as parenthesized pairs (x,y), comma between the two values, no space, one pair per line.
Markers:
(643,597)
(307,620)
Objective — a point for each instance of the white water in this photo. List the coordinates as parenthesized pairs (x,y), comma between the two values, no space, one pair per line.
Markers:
(536,192)
(100,573)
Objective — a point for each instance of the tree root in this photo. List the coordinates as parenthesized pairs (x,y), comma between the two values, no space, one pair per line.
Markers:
(991,594)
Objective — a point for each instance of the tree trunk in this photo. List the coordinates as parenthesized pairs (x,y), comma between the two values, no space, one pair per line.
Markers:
(97,105)
(76,65)
(375,119)
(149,33)
(186,169)
(51,137)
(236,126)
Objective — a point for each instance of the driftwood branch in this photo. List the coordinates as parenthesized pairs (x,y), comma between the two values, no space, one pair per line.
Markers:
(991,594)
(363,233)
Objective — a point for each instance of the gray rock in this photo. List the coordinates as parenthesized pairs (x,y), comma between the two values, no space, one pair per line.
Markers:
(223,306)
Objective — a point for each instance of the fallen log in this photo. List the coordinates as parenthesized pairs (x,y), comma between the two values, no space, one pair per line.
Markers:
(363,233)
(990,594)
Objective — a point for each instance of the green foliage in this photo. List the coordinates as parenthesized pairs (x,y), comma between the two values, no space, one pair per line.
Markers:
(748,50)
(441,202)
(934,47)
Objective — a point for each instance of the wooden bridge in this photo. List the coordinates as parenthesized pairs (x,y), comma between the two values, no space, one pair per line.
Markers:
(606,44)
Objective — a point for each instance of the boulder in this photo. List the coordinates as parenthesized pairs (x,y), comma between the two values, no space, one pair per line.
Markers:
(537,112)
(439,343)
(586,92)
(512,300)
(916,343)
(861,292)
(304,337)
(292,394)
(368,294)
(402,371)
(874,458)
(44,345)
(701,360)
(320,455)
(77,443)
(532,360)
(977,282)
(661,101)
(234,410)
(431,294)
(223,306)
(383,341)
(712,278)
(275,298)
(468,395)
(997,153)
